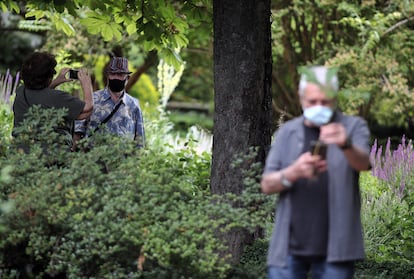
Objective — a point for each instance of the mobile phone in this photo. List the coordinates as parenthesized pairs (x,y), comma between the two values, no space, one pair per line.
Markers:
(319,148)
(73,74)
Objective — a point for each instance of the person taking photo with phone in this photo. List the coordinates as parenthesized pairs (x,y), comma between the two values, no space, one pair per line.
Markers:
(318,226)
(39,86)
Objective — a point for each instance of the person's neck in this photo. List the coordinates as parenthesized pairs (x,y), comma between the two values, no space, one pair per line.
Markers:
(115,96)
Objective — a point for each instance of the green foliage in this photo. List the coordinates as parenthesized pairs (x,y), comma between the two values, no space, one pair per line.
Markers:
(5,206)
(116,212)
(7,93)
(387,210)
(311,77)
(395,171)
(146,92)
(60,21)
(6,124)
(160,25)
(253,262)
(370,269)
(184,120)
(9,5)
(371,43)
(377,64)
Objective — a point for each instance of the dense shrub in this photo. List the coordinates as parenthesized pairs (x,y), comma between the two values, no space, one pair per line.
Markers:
(6,124)
(115,212)
(7,90)
(387,211)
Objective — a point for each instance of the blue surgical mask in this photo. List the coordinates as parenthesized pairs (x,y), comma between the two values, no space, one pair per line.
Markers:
(318,115)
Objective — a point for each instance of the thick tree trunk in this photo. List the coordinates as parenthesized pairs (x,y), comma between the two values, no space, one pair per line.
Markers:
(242,84)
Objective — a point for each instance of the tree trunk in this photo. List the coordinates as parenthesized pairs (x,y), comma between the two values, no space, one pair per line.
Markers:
(242,85)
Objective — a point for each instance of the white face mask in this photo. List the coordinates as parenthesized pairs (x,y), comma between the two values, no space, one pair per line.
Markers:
(318,115)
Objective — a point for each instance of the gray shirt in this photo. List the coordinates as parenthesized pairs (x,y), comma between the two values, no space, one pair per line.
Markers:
(345,241)
(46,98)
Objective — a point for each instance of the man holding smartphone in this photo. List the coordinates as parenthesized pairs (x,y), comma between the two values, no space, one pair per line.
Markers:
(318,227)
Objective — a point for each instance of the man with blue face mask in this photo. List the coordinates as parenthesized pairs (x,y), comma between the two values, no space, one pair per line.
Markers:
(318,227)
(115,111)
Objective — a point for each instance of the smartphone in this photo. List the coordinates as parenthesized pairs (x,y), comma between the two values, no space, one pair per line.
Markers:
(319,148)
(73,74)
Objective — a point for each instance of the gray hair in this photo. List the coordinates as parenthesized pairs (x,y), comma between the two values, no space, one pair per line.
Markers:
(323,76)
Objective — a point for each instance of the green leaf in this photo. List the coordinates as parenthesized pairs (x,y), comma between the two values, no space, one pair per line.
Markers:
(181,40)
(172,58)
(14,6)
(119,19)
(131,28)
(93,25)
(63,24)
(3,7)
(35,13)
(107,32)
(117,34)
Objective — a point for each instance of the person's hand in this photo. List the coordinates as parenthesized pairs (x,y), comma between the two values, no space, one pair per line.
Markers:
(60,78)
(333,133)
(86,84)
(84,76)
(62,75)
(308,165)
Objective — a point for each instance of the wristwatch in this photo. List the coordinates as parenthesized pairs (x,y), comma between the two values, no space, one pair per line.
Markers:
(285,182)
(347,144)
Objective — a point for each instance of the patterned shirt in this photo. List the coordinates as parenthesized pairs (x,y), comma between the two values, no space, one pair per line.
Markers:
(126,122)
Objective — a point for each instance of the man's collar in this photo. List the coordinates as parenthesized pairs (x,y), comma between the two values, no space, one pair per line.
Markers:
(107,95)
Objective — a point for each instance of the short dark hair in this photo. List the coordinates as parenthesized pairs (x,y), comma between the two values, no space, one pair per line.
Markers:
(38,70)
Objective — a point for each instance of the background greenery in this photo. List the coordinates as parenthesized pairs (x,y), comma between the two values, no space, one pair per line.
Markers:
(115,213)
(123,213)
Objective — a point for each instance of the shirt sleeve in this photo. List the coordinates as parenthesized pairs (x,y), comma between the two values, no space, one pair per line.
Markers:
(81,126)
(273,160)
(360,134)
(73,104)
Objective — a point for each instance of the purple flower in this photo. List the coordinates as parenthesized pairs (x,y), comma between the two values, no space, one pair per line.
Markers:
(7,88)
(394,167)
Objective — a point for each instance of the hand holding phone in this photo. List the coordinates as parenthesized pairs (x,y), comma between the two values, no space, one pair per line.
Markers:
(73,74)
(318,147)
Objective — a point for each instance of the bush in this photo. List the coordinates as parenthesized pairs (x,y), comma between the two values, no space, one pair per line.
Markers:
(7,91)
(114,212)
(387,211)
(6,124)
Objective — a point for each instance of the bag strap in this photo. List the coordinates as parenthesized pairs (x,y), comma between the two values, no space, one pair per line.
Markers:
(109,116)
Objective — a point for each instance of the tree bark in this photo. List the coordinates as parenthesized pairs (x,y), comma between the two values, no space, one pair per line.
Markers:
(242,85)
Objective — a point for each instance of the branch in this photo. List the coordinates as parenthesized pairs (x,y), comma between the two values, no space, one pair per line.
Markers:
(398,24)
(149,61)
